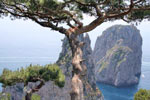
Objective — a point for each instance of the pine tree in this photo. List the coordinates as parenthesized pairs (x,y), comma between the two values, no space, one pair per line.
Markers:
(33,74)
(58,15)
(142,94)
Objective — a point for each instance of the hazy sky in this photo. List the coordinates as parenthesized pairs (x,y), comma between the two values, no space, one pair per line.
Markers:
(20,34)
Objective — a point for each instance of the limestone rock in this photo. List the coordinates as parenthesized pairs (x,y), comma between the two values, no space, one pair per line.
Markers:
(117,56)
(65,62)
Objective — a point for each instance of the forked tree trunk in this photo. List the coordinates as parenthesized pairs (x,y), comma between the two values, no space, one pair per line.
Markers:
(78,71)
(29,93)
(28,96)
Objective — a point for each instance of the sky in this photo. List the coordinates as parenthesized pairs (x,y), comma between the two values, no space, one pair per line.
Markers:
(27,35)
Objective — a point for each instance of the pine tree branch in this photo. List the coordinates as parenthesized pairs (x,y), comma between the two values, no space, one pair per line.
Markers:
(38,87)
(123,13)
(35,17)
(91,4)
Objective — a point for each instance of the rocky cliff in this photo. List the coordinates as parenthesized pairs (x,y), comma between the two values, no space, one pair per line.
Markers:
(117,56)
(65,62)
(51,92)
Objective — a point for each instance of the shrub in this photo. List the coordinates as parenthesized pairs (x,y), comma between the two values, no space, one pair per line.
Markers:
(142,94)
(32,73)
(5,96)
(35,97)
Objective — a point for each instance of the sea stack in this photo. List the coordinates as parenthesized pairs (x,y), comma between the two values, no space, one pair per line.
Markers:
(117,56)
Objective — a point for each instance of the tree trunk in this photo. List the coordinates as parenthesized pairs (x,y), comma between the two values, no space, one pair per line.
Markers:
(28,96)
(29,93)
(78,71)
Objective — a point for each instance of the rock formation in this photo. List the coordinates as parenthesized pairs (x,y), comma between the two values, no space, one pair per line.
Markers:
(51,92)
(117,56)
(65,62)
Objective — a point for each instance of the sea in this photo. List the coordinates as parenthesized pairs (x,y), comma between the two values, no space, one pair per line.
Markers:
(15,59)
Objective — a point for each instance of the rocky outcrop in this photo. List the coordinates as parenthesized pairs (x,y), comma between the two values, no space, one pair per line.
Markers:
(15,91)
(117,56)
(65,62)
(50,91)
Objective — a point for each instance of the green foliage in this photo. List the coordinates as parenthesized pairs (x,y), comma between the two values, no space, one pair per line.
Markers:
(142,94)
(78,9)
(66,56)
(32,73)
(5,96)
(120,54)
(32,4)
(139,15)
(35,97)
(102,66)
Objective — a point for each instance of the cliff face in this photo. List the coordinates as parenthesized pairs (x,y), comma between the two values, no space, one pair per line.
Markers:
(51,92)
(65,62)
(117,56)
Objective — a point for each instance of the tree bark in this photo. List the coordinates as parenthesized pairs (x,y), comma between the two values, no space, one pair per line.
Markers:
(77,82)
(81,89)
(28,95)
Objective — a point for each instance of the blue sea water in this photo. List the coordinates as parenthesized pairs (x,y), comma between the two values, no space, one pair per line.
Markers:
(14,63)
(16,60)
(127,93)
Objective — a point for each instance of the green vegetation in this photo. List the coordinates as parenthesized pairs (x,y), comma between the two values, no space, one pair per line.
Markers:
(121,61)
(5,96)
(102,66)
(120,54)
(54,14)
(31,74)
(142,94)
(35,97)
(115,54)
(66,56)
